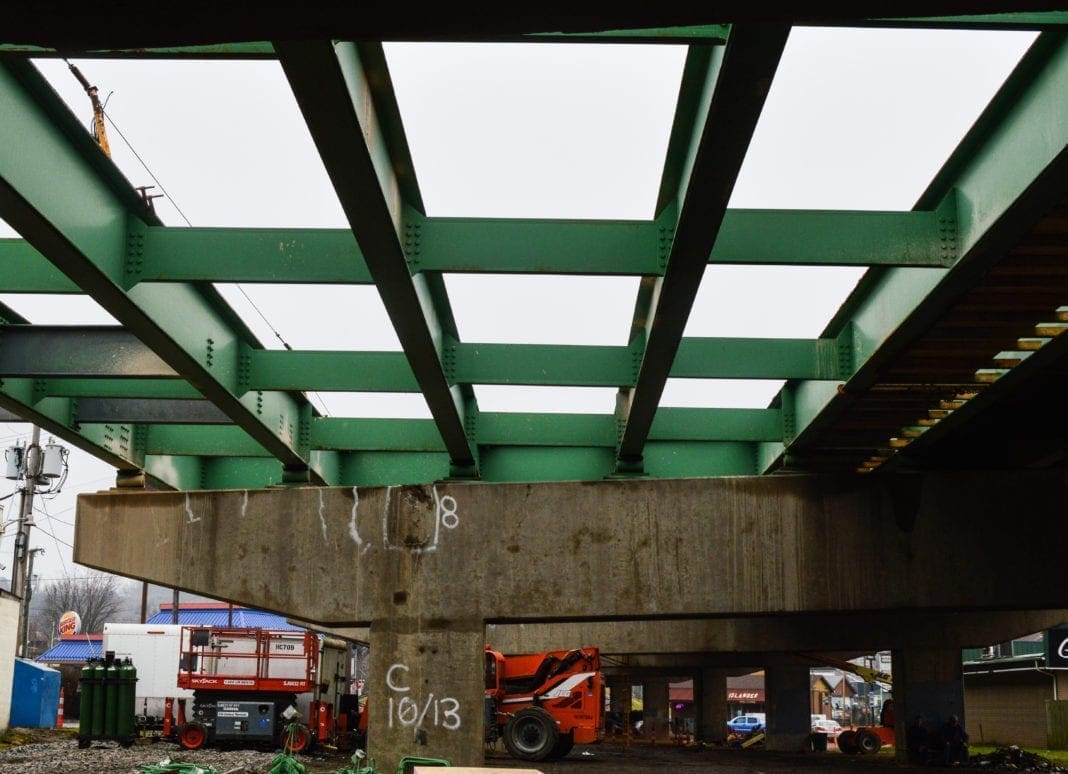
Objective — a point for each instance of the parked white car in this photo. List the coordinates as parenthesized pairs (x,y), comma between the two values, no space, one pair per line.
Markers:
(830,727)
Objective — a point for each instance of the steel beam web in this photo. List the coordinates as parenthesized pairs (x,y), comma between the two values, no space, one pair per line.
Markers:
(742,81)
(332,90)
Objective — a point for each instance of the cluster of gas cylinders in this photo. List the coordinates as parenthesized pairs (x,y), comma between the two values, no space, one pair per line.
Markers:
(107,700)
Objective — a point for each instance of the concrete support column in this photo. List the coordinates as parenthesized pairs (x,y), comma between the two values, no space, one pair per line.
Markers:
(710,699)
(426,692)
(788,692)
(928,682)
(655,708)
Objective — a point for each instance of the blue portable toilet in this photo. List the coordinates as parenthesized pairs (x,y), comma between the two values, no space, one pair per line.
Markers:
(34,695)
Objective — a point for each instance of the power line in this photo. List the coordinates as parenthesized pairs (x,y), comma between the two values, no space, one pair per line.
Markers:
(277,335)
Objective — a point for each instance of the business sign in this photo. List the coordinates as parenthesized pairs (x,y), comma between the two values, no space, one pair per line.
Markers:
(70,623)
(1057,647)
(749,695)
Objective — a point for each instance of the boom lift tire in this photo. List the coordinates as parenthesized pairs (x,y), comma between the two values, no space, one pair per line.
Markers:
(297,740)
(847,742)
(868,743)
(192,735)
(531,734)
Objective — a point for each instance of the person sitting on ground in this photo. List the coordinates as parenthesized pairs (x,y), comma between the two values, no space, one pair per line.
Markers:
(917,745)
(955,741)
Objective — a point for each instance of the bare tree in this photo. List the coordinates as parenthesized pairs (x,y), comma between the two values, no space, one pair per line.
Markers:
(97,598)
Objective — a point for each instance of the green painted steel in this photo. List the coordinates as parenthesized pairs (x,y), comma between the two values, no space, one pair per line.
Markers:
(387,468)
(330,371)
(110,394)
(418,435)
(52,170)
(235,50)
(705,33)
(194,440)
(714,358)
(24,270)
(115,388)
(66,351)
(359,155)
(699,459)
(540,463)
(1005,174)
(697,424)
(331,256)
(240,473)
(183,471)
(249,255)
(544,364)
(834,238)
(518,429)
(738,87)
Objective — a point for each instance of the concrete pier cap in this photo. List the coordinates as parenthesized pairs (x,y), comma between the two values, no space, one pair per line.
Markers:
(731,565)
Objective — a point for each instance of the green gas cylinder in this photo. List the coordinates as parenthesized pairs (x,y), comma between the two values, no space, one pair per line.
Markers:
(87,687)
(126,709)
(111,700)
(96,727)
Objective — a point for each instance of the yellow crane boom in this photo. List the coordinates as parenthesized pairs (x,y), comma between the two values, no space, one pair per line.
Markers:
(99,132)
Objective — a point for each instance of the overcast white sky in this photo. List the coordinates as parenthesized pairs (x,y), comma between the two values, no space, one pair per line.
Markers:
(856,119)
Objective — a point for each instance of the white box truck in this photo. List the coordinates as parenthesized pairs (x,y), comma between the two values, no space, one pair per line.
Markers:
(154,650)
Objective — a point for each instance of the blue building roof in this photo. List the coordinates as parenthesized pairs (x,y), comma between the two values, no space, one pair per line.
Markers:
(242,618)
(72,651)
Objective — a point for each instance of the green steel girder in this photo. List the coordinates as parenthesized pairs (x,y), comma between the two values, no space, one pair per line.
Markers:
(116,444)
(249,255)
(330,371)
(195,440)
(24,270)
(1009,170)
(697,424)
(279,255)
(61,193)
(738,86)
(559,430)
(722,358)
(360,143)
(1033,20)
(77,351)
(410,435)
(116,388)
(544,364)
(148,411)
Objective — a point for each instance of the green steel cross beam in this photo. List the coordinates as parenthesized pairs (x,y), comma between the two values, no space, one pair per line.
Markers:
(279,255)
(71,203)
(360,152)
(149,411)
(72,351)
(738,83)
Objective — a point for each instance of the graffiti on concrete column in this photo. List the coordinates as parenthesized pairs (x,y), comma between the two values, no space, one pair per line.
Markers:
(409,712)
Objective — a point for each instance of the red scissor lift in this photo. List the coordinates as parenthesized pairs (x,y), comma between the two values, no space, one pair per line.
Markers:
(245,684)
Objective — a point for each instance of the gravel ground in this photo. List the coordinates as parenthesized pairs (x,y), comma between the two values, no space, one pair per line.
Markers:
(64,756)
(50,751)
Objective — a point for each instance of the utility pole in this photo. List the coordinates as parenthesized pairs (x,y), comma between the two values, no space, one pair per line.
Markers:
(32,468)
(25,609)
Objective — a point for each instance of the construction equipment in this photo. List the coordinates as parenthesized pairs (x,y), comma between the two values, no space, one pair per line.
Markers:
(866,740)
(543,704)
(245,684)
(100,133)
